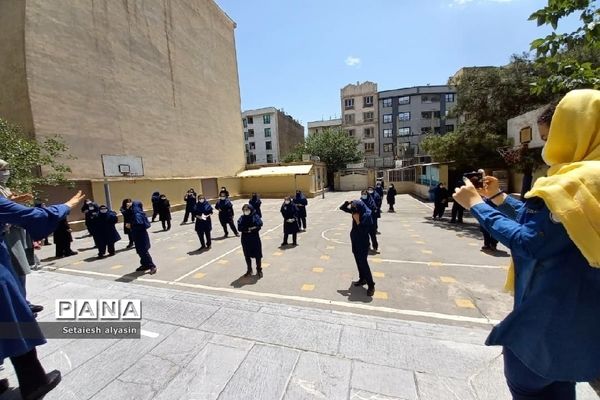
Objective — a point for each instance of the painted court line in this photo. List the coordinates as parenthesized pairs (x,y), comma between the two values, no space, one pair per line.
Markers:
(422,203)
(441,264)
(152,335)
(389,310)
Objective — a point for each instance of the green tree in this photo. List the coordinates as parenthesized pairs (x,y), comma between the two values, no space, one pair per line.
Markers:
(570,60)
(27,157)
(334,147)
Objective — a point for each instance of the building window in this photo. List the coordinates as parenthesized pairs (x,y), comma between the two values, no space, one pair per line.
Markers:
(368,101)
(369,147)
(428,114)
(250,132)
(245,135)
(245,122)
(449,97)
(430,98)
(267,132)
(350,132)
(269,145)
(449,128)
(252,145)
(316,130)
(349,104)
(404,131)
(388,148)
(251,159)
(368,133)
(403,100)
(427,129)
(387,102)
(269,158)
(349,118)
(247,148)
(387,118)
(404,116)
(387,133)
(267,119)
(250,120)
(368,117)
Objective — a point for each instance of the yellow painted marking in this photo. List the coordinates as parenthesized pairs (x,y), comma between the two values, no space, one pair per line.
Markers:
(172,248)
(379,274)
(435,264)
(266,237)
(464,303)
(199,275)
(377,260)
(239,252)
(410,230)
(318,269)
(191,241)
(117,266)
(426,251)
(223,262)
(473,244)
(180,258)
(330,247)
(307,287)
(77,263)
(265,265)
(324,257)
(337,233)
(447,279)
(380,295)
(278,253)
(406,226)
(419,242)
(415,236)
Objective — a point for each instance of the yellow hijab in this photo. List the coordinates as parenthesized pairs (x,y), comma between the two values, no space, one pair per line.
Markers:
(572,188)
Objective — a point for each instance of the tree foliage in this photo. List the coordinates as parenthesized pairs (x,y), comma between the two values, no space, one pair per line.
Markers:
(334,147)
(570,60)
(27,157)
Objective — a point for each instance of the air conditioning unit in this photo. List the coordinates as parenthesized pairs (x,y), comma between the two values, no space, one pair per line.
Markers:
(306,157)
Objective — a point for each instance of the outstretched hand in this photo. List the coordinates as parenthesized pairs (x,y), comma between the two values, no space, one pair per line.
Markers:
(467,196)
(73,201)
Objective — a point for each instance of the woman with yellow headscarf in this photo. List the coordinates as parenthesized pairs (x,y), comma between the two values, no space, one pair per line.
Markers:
(551,339)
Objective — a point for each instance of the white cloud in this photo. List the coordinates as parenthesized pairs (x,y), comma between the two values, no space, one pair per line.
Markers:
(352,61)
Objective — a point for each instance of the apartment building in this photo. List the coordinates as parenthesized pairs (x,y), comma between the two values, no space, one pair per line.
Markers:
(316,127)
(359,104)
(269,135)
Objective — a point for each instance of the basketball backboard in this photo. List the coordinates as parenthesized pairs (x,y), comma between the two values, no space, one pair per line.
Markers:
(121,165)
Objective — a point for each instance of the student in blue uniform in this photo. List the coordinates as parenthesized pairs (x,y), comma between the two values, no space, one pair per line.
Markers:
(90,209)
(106,232)
(370,203)
(84,209)
(190,204)
(249,224)
(139,230)
(359,236)
(155,201)
(164,212)
(225,208)
(376,214)
(63,239)
(34,383)
(301,202)
(127,218)
(550,339)
(289,211)
(379,188)
(202,212)
(255,202)
(391,197)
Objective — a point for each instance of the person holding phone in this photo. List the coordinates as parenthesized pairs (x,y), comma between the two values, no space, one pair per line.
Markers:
(550,339)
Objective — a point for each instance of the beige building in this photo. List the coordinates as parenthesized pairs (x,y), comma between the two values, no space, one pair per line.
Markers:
(270,135)
(316,127)
(359,115)
(154,80)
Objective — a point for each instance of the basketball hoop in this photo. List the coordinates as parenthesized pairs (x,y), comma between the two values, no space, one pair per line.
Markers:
(513,154)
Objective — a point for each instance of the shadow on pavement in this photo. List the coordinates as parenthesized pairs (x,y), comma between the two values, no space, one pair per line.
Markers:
(288,246)
(497,253)
(87,248)
(130,277)
(197,252)
(12,393)
(467,229)
(244,281)
(356,293)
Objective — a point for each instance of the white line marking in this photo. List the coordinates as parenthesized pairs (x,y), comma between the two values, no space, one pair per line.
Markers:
(332,240)
(422,203)
(443,264)
(152,335)
(206,264)
(389,310)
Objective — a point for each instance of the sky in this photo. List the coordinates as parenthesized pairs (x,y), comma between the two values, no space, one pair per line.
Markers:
(296,55)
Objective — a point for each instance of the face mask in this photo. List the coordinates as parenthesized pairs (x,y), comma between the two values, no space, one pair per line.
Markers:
(287,202)
(4,175)
(129,205)
(104,211)
(91,208)
(364,196)
(222,197)
(389,187)
(370,192)
(201,200)
(247,212)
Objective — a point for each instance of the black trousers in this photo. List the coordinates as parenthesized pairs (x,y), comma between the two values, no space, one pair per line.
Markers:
(187,214)
(63,249)
(154,215)
(302,222)
(457,212)
(102,248)
(373,236)
(258,264)
(231,225)
(29,371)
(439,210)
(364,271)
(488,240)
(166,225)
(294,238)
(202,236)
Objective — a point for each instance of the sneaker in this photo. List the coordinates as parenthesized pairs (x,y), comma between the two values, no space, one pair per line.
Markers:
(36,308)
(142,268)
(152,270)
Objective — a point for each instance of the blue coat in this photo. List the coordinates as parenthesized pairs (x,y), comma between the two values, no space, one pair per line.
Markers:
(249,226)
(203,209)
(39,223)
(379,191)
(255,203)
(554,328)
(139,227)
(300,201)
(190,201)
(105,232)
(359,235)
(370,203)
(289,212)
(225,208)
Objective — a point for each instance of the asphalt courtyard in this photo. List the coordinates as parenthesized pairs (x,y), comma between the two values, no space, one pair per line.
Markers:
(426,270)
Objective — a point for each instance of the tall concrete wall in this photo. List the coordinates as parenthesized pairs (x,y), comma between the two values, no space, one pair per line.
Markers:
(151,78)
(290,134)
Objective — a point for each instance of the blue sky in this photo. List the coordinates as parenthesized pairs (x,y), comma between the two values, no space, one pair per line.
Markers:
(298,54)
